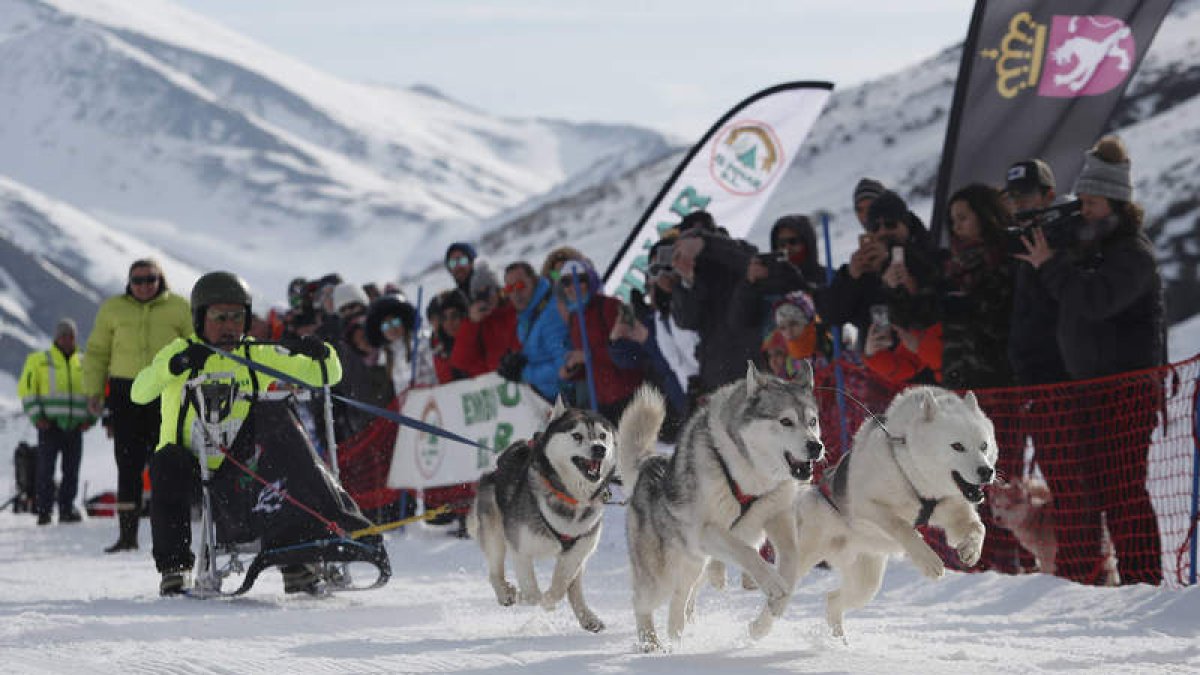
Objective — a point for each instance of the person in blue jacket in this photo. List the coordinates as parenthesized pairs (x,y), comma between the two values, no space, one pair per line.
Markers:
(541,331)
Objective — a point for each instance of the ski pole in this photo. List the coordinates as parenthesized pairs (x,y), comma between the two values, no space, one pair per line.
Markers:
(416,337)
(583,339)
(837,338)
(327,409)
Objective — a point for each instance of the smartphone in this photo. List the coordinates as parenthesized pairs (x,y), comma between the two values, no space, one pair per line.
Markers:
(663,255)
(897,255)
(880,316)
(625,314)
(768,258)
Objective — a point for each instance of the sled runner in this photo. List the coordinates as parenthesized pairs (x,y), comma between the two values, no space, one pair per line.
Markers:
(267,500)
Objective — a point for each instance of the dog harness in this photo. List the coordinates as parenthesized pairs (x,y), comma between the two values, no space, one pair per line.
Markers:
(559,492)
(744,500)
(927,504)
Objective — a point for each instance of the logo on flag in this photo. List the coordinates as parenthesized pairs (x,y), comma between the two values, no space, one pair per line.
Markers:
(1077,56)
(746,157)
(428,452)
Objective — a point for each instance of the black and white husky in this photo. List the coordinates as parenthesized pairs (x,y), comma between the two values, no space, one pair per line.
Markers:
(545,500)
(732,478)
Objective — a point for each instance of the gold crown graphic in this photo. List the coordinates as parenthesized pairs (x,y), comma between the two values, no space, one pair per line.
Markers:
(1019,58)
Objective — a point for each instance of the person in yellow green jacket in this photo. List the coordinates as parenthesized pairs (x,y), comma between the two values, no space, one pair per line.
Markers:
(51,391)
(221,318)
(129,330)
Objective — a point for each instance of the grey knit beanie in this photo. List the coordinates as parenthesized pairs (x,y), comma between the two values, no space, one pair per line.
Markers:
(483,280)
(1104,179)
(867,188)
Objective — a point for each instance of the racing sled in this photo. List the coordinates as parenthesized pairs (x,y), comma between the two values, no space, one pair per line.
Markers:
(272,498)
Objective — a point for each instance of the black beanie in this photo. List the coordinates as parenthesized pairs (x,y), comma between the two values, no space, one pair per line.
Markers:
(888,206)
(463,247)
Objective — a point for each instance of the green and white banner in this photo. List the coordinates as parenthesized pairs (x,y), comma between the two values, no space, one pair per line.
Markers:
(730,173)
(488,408)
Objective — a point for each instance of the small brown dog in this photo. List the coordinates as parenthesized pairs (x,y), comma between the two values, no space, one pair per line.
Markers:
(1025,507)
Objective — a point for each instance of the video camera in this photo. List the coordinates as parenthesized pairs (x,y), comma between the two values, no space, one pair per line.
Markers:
(1059,223)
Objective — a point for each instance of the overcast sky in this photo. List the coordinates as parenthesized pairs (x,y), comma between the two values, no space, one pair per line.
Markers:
(675,65)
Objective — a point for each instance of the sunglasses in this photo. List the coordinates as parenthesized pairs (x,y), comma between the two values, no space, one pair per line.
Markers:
(570,280)
(790,241)
(881,224)
(233,315)
(395,322)
(457,261)
(514,287)
(149,279)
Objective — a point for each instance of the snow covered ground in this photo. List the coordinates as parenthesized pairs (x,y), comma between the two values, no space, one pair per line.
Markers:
(67,608)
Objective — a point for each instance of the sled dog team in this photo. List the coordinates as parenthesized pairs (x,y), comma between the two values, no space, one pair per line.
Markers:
(742,471)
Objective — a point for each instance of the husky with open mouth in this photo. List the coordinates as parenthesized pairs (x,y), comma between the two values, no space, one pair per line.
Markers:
(732,479)
(926,461)
(546,500)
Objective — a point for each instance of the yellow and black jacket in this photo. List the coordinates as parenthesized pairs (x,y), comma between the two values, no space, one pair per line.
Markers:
(156,380)
(51,388)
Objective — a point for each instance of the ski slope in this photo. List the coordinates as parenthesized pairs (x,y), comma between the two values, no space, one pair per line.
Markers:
(65,607)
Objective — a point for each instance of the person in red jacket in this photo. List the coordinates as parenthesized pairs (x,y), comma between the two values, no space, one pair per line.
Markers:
(614,385)
(490,330)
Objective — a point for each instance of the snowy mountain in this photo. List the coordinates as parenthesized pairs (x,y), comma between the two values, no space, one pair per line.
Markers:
(56,261)
(892,128)
(166,127)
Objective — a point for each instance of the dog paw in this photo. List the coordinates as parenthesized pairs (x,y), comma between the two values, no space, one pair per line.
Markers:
(506,594)
(969,551)
(761,625)
(549,601)
(591,623)
(648,643)
(929,564)
(748,582)
(530,598)
(775,588)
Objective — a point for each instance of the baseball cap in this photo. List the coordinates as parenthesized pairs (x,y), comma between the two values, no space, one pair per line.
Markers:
(1029,176)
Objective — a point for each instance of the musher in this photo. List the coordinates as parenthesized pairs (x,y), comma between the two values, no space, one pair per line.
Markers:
(221,316)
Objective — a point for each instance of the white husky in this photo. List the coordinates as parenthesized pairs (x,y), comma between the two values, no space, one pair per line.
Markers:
(927,462)
(733,478)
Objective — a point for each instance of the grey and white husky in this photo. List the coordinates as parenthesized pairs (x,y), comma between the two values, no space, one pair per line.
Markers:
(732,478)
(545,500)
(927,462)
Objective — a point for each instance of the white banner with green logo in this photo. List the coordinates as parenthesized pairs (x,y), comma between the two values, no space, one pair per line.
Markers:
(730,173)
(488,409)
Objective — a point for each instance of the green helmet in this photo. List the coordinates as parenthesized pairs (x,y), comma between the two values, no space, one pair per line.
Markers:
(218,288)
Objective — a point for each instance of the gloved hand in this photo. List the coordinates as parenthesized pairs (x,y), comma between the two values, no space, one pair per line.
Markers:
(511,365)
(191,358)
(308,345)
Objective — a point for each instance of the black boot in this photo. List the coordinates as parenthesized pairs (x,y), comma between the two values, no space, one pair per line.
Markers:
(127,541)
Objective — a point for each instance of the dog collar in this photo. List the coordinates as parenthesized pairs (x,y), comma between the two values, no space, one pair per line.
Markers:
(557,492)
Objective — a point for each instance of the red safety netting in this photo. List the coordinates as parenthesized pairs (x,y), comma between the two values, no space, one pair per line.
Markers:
(1100,472)
(365,459)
